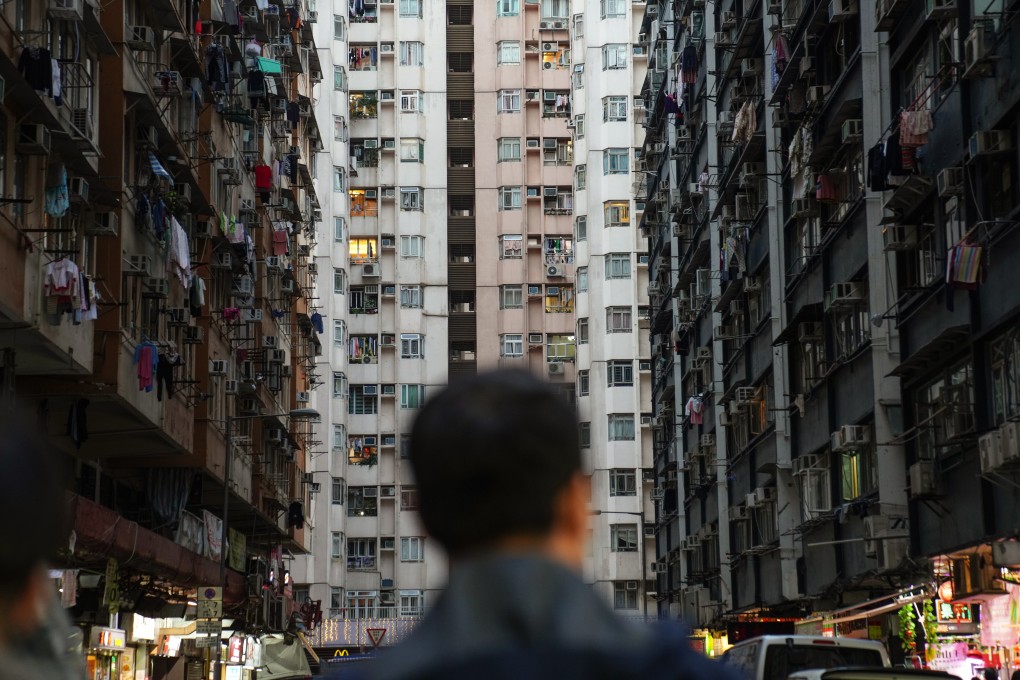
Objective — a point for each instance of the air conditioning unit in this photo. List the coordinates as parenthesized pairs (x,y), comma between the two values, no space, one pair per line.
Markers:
(167,83)
(978,44)
(849,437)
(103,224)
(274,435)
(988,141)
(389,193)
(744,396)
(722,38)
(950,182)
(71,10)
(252,315)
(33,139)
(803,207)
(217,367)
(370,270)
(852,130)
(750,68)
(244,286)
(370,390)
(386,48)
(841,10)
(556,368)
(556,270)
(387,491)
(630,585)
(739,513)
(899,236)
(302,396)
(230,387)
(78,190)
(386,96)
(138,265)
(193,335)
(270,342)
(312,16)
(274,263)
(389,390)
(922,478)
(707,440)
(248,406)
(845,294)
(990,451)
(387,340)
(288,286)
(816,94)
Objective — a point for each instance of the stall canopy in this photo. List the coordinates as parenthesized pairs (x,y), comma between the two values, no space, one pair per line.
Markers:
(283,659)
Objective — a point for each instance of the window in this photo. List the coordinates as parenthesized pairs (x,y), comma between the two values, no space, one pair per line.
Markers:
(614,56)
(339,384)
(364,299)
(363,250)
(559,299)
(582,279)
(618,266)
(339,229)
(509,149)
(339,437)
(944,411)
(412,396)
(336,545)
(581,228)
(614,108)
(362,400)
(509,198)
(511,345)
(339,331)
(339,27)
(623,537)
(582,331)
(578,26)
(507,8)
(858,472)
(412,150)
(509,101)
(336,601)
(555,9)
(409,497)
(360,554)
(410,101)
(511,297)
(508,52)
(577,77)
(579,126)
(622,482)
(582,383)
(618,319)
(620,373)
(412,549)
(584,435)
(412,603)
(621,427)
(612,8)
(339,281)
(412,346)
(615,161)
(411,198)
(617,213)
(338,491)
(410,8)
(625,597)
(339,129)
(559,347)
(511,246)
(412,246)
(362,501)
(412,53)
(580,177)
(411,297)
(1005,353)
(339,178)
(339,78)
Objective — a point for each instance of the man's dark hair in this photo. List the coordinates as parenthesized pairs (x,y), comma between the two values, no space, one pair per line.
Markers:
(490,454)
(32,505)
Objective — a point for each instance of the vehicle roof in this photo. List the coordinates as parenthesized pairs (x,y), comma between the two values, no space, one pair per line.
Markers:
(808,639)
(869,672)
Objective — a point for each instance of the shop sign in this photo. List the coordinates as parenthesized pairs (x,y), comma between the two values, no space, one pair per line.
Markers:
(235,649)
(957,618)
(111,595)
(208,627)
(213,535)
(232,673)
(209,641)
(110,639)
(209,609)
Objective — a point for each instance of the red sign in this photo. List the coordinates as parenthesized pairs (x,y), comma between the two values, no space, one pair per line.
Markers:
(375,635)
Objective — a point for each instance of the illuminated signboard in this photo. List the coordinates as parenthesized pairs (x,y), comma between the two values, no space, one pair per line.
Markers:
(956,617)
(108,639)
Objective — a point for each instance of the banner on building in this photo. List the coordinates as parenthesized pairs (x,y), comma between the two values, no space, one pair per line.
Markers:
(237,550)
(213,535)
(191,533)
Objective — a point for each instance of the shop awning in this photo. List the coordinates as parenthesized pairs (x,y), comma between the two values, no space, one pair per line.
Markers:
(946,342)
(105,533)
(269,66)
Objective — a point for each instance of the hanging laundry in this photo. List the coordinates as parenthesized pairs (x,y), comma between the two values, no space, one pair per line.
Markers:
(77,422)
(180,253)
(825,189)
(61,288)
(231,313)
(57,199)
(165,374)
(55,88)
(914,127)
(146,358)
(280,243)
(196,296)
(689,64)
(695,410)
(36,65)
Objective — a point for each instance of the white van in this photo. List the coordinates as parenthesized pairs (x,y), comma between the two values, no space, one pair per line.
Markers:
(775,657)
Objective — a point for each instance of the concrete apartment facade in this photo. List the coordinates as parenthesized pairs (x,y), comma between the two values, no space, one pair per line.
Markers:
(840,424)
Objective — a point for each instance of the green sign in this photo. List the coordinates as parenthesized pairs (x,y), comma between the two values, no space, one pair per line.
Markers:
(237,552)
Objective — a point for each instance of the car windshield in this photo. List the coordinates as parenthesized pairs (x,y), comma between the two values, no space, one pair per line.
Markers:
(781,660)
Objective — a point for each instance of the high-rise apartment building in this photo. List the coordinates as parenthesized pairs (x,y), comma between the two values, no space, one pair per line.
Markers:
(834,204)
(613,371)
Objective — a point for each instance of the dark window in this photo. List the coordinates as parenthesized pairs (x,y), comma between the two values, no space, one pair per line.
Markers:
(462,157)
(461,109)
(461,62)
(459,15)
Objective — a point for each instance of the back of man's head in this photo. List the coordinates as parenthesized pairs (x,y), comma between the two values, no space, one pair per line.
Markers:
(32,507)
(491,455)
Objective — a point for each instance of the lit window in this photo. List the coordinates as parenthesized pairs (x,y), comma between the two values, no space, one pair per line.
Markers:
(617,213)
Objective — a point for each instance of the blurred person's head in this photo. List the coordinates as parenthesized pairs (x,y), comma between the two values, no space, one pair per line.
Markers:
(32,526)
(498,466)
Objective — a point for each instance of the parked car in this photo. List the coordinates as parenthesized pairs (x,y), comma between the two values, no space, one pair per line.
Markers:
(895,673)
(776,657)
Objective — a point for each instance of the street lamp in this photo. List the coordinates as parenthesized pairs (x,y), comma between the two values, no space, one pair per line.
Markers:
(640,514)
(296,414)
